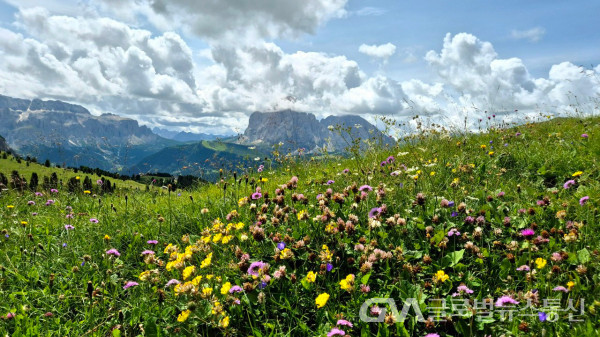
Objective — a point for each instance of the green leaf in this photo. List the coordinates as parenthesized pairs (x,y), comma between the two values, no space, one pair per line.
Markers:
(451,259)
(365,279)
(151,329)
(116,333)
(583,256)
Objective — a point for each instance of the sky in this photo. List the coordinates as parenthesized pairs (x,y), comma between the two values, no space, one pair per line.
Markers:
(205,66)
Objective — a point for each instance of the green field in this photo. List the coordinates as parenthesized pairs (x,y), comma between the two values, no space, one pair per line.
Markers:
(507,215)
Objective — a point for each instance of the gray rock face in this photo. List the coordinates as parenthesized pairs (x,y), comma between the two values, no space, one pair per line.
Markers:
(70,134)
(3,145)
(295,130)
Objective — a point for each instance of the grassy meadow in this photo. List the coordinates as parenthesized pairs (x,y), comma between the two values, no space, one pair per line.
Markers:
(493,234)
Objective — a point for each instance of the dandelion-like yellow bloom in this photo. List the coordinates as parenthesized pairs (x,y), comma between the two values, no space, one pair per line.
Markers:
(183,316)
(207,261)
(286,253)
(570,284)
(10,206)
(577,174)
(23,222)
(224,322)
(311,277)
(540,263)
(441,276)
(86,192)
(491,153)
(188,271)
(483,146)
(321,300)
(347,283)
(106,237)
(225,288)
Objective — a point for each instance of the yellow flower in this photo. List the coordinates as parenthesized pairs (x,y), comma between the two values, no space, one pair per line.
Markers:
(206,262)
(207,291)
(311,277)
(570,284)
(23,223)
(10,206)
(196,280)
(86,192)
(286,253)
(577,174)
(209,276)
(264,180)
(483,146)
(224,322)
(188,271)
(226,239)
(347,283)
(239,225)
(321,300)
(561,214)
(432,173)
(144,275)
(540,263)
(106,237)
(491,153)
(217,237)
(301,215)
(183,316)
(440,276)
(225,288)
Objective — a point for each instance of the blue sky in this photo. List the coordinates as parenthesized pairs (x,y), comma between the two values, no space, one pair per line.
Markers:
(205,66)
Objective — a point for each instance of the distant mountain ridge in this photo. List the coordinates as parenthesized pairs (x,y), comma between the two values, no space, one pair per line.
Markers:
(295,130)
(3,145)
(183,136)
(70,134)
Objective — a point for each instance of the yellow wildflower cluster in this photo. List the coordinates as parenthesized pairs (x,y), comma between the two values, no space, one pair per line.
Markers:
(440,276)
(348,283)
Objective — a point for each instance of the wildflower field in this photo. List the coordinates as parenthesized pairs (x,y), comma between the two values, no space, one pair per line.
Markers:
(487,234)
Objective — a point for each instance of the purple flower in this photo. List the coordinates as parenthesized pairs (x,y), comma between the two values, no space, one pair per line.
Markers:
(34,213)
(391,159)
(432,335)
(542,316)
(172,282)
(31,203)
(453,231)
(64,245)
(500,194)
(255,267)
(527,232)
(256,195)
(346,171)
(69,216)
(505,300)
(365,188)
(113,251)
(568,184)
(99,182)
(94,220)
(49,202)
(344,322)
(148,252)
(584,135)
(281,245)
(235,289)
(583,200)
(67,227)
(454,214)
(130,284)
(561,288)
(517,134)
(383,163)
(54,190)
(373,211)
(38,194)
(524,268)
(152,242)
(461,290)
(329,182)
(336,332)
(329,267)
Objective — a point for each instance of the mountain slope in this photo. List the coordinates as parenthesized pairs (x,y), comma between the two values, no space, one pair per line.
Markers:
(202,159)
(70,134)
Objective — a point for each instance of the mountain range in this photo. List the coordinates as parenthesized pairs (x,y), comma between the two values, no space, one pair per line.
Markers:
(69,135)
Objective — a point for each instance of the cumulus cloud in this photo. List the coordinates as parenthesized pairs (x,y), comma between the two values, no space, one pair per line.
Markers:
(533,35)
(239,20)
(382,51)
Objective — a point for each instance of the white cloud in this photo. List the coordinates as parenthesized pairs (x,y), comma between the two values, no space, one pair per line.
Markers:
(383,51)
(533,35)
(370,11)
(234,20)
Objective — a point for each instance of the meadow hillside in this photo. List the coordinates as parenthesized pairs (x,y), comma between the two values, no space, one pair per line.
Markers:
(491,233)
